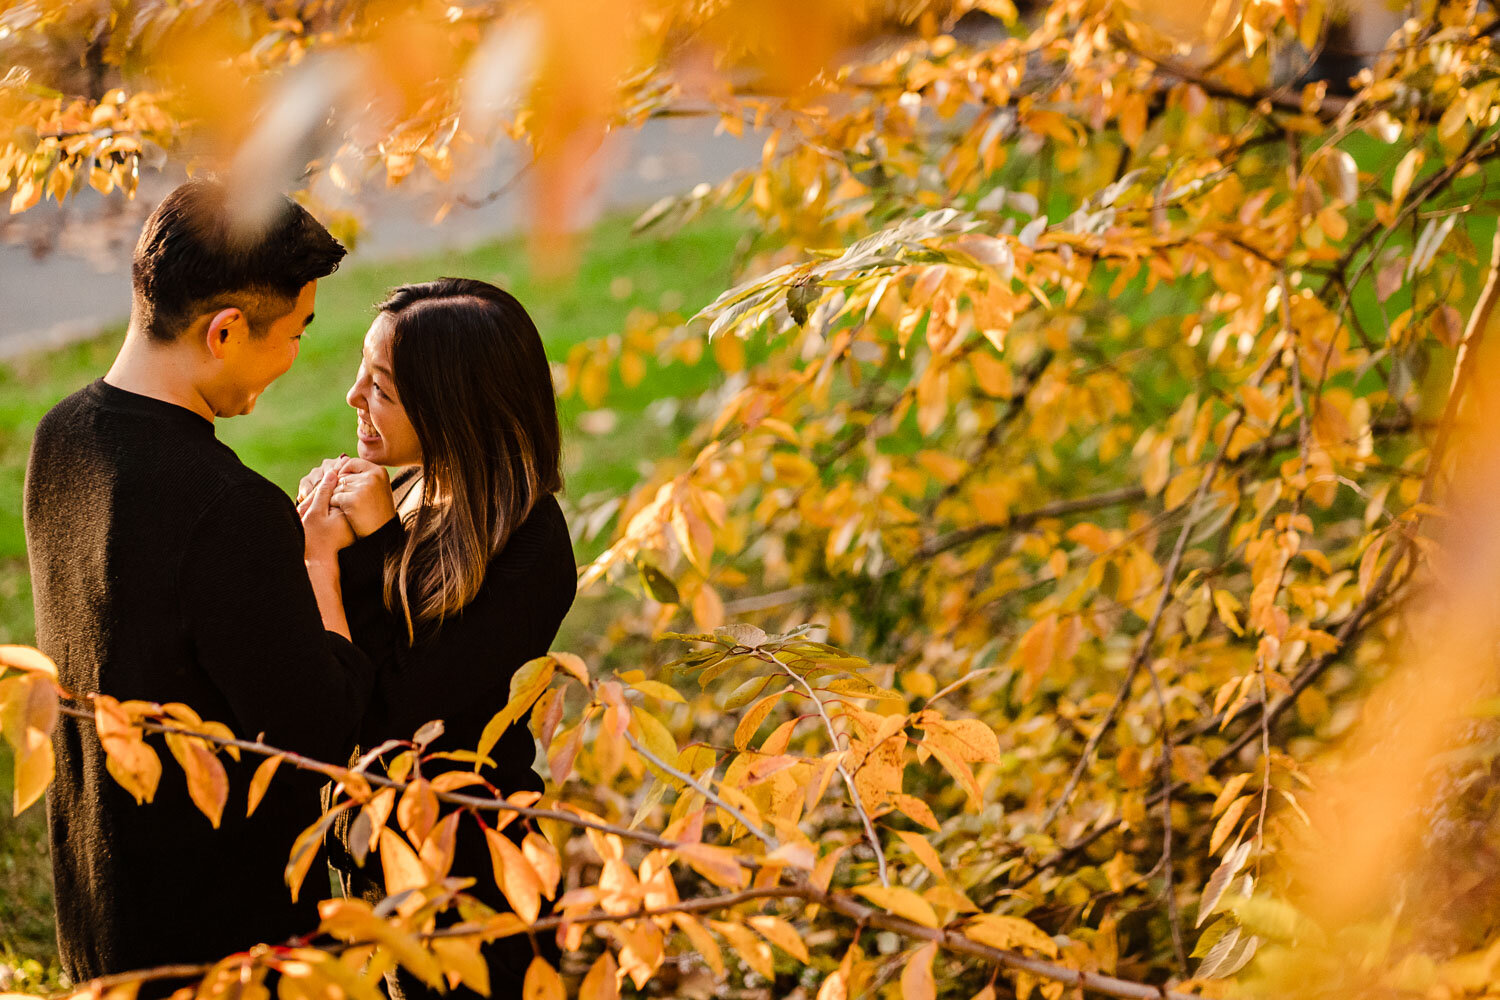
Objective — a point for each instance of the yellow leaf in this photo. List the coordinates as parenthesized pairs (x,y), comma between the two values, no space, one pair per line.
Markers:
(654,734)
(1158,466)
(305,849)
(751,949)
(960,771)
(1453,120)
(514,876)
(261,781)
(924,851)
(901,901)
(753,717)
(354,920)
(782,934)
(542,982)
(992,374)
(703,942)
(208,786)
(461,959)
(1406,172)
(28,711)
(946,895)
(1006,932)
(1228,822)
(573,664)
(916,978)
(1227,795)
(602,981)
(967,739)
(656,689)
(915,810)
(526,686)
(1226,604)
(823,871)
(27,659)
(641,953)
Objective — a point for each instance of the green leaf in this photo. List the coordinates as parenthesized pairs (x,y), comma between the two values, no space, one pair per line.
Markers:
(658,584)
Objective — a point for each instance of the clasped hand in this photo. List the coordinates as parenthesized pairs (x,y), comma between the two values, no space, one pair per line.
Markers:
(340,500)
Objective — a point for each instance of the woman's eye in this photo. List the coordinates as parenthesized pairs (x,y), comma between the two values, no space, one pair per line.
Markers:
(379,391)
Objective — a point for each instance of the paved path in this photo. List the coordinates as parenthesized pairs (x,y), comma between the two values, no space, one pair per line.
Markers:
(82,283)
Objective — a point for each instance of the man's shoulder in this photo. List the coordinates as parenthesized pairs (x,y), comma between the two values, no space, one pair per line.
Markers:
(245,491)
(66,412)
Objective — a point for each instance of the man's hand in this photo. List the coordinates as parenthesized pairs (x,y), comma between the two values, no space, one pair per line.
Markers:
(326,529)
(364,495)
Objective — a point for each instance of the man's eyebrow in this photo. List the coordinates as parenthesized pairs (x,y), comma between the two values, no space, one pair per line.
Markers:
(308,322)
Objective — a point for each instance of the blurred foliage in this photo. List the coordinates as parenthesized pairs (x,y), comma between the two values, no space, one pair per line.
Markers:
(1109,374)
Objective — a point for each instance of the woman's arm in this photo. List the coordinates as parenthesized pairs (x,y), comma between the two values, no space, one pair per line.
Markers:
(326,531)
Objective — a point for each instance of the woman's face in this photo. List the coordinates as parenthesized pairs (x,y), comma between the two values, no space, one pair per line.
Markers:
(386,436)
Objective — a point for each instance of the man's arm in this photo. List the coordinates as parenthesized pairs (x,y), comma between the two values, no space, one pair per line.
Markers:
(250,612)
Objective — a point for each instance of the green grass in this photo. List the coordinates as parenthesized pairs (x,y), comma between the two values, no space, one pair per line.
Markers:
(303,418)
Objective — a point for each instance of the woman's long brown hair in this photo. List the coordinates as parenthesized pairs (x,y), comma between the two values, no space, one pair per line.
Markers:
(471,373)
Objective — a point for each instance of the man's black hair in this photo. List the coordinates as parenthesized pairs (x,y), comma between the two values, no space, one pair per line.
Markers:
(193,258)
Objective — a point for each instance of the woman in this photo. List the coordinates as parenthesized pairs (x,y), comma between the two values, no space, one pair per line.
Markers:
(464,568)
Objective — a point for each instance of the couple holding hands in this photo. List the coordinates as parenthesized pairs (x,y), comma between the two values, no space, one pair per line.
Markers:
(166,570)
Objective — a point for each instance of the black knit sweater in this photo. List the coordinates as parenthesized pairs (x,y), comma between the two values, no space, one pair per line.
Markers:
(166,570)
(460,672)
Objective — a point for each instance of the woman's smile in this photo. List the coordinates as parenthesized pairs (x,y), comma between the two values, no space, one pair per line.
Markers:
(366,430)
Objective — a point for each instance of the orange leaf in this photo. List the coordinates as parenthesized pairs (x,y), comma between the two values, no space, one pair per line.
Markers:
(464,964)
(1228,822)
(402,867)
(544,861)
(717,864)
(901,901)
(129,760)
(514,876)
(262,781)
(418,810)
(782,934)
(27,659)
(207,783)
(542,982)
(924,851)
(916,979)
(751,949)
(703,942)
(437,849)
(602,981)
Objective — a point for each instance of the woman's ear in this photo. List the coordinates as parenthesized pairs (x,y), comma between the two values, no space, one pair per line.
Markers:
(217,336)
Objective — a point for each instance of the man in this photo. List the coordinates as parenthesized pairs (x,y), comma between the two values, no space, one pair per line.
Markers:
(166,570)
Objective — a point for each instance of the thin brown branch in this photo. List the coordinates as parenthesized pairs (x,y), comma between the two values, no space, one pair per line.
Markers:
(453,798)
(703,790)
(837,902)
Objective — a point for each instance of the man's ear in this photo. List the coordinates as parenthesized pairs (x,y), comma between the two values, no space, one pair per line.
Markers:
(219,330)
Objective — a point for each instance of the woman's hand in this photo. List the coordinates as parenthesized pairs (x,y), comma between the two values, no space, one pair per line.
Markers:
(364,495)
(326,528)
(312,479)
